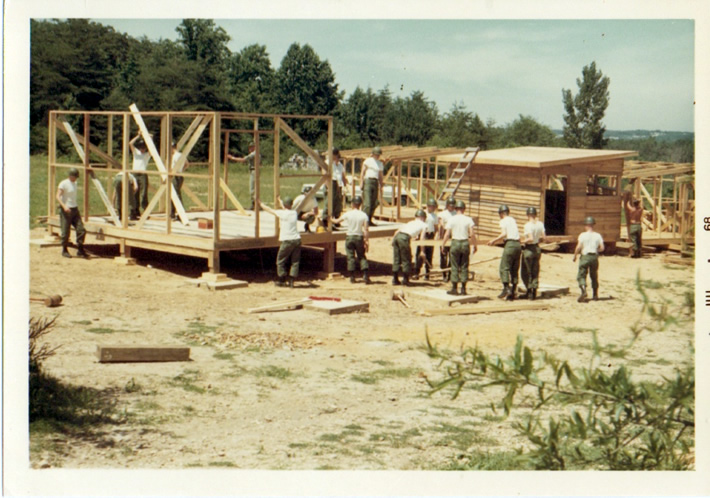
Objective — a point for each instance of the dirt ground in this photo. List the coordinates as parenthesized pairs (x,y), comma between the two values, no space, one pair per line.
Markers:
(301,389)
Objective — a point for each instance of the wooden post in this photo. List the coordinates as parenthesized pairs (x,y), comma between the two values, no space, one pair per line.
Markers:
(214,156)
(277,171)
(398,165)
(329,155)
(168,138)
(329,257)
(225,161)
(127,186)
(213,256)
(109,136)
(85,179)
(51,170)
(257,176)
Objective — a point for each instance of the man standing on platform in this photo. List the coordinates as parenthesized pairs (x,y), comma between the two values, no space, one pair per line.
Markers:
(635,213)
(371,178)
(402,250)
(356,240)
(288,258)
(460,230)
(432,223)
(117,193)
(249,159)
(338,185)
(69,215)
(510,261)
(589,245)
(533,234)
(141,156)
(444,218)
(177,180)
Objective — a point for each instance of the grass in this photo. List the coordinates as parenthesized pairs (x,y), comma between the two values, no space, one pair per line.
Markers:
(221,355)
(186,380)
(221,463)
(374,376)
(579,329)
(478,460)
(459,436)
(82,322)
(652,284)
(396,439)
(273,371)
(102,330)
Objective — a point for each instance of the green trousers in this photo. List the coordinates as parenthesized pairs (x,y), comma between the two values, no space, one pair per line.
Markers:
(337,202)
(530,269)
(142,192)
(588,263)
(459,255)
(118,191)
(401,254)
(68,220)
(355,252)
(510,262)
(428,255)
(252,186)
(635,234)
(289,255)
(369,196)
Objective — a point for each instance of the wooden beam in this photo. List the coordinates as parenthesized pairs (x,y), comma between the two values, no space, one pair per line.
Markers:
(290,304)
(140,354)
(303,145)
(232,198)
(192,195)
(188,133)
(151,205)
(277,171)
(505,308)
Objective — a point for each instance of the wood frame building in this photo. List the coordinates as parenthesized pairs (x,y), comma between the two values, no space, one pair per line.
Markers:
(230,227)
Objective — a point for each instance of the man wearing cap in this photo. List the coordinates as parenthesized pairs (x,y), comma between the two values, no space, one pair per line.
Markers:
(402,251)
(444,218)
(250,158)
(356,239)
(177,180)
(69,215)
(589,245)
(288,258)
(635,213)
(370,180)
(141,156)
(510,261)
(427,255)
(460,230)
(307,210)
(117,193)
(339,183)
(533,234)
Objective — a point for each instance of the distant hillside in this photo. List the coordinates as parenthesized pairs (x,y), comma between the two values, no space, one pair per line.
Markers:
(659,135)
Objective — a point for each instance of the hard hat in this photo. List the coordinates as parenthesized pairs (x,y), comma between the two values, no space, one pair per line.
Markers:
(589,220)
(74,172)
(432,202)
(503,208)
(460,205)
(376,151)
(420,214)
(532,211)
(357,200)
(450,201)
(320,230)
(287,202)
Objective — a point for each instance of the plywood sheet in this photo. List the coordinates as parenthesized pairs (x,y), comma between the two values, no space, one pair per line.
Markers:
(537,157)
(338,307)
(441,296)
(548,290)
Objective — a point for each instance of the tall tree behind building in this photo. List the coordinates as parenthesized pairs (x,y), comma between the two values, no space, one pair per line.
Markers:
(584,112)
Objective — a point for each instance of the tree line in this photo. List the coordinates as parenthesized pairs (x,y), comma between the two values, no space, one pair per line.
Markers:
(77,64)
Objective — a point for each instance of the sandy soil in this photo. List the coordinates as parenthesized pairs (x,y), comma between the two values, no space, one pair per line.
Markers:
(301,389)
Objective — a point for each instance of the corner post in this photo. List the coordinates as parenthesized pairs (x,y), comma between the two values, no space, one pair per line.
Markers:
(277,169)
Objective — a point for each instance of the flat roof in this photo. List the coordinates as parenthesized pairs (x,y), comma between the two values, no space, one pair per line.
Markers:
(541,157)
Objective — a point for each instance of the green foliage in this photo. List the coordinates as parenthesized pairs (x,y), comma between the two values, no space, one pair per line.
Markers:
(527,131)
(604,419)
(652,149)
(584,112)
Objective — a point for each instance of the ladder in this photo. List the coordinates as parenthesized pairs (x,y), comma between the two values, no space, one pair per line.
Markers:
(457,175)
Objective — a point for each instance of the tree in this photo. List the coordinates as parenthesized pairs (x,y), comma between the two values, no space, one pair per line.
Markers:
(462,128)
(412,120)
(203,41)
(361,117)
(527,131)
(584,112)
(252,79)
(305,85)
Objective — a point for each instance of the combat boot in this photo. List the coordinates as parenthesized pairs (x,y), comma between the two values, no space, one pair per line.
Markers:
(533,294)
(463,289)
(395,280)
(453,291)
(405,280)
(595,294)
(352,277)
(81,252)
(366,277)
(65,252)
(280,282)
(504,292)
(511,293)
(583,294)
(291,282)
(527,293)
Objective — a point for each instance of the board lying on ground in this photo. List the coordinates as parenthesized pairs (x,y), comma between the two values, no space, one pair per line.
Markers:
(441,295)
(131,354)
(474,310)
(338,307)
(548,290)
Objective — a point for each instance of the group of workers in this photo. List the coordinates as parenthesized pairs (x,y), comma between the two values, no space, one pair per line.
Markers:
(521,254)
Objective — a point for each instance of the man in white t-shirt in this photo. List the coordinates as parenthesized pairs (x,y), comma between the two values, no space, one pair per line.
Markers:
(339,183)
(402,250)
(69,215)
(371,178)
(141,156)
(444,218)
(589,245)
(425,256)
(460,229)
(288,258)
(533,234)
(177,180)
(356,239)
(307,209)
(510,260)
(117,194)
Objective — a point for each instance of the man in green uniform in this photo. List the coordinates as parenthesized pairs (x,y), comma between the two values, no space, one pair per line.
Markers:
(370,180)
(635,214)
(460,230)
(69,214)
(401,248)
(533,234)
(290,248)
(510,261)
(356,239)
(425,255)
(589,245)
(117,193)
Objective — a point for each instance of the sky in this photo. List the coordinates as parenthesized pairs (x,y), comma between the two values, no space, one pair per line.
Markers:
(498,68)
